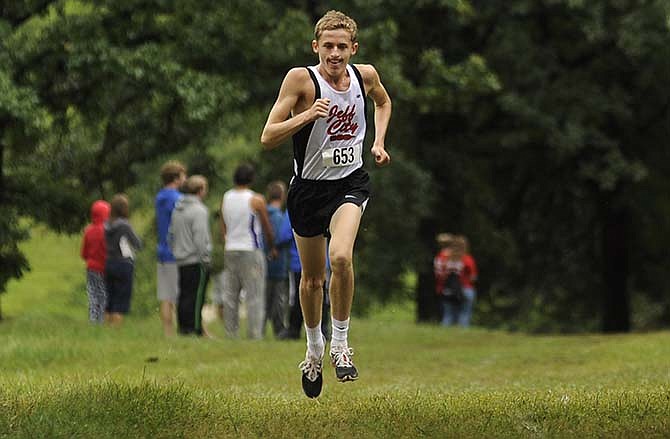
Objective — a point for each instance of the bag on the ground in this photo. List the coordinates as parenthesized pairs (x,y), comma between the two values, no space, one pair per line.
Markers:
(453,290)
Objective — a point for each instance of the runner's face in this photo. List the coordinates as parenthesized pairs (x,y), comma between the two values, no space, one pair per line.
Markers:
(334,48)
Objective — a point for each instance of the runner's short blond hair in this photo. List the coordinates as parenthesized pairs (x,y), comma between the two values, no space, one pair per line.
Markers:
(333,20)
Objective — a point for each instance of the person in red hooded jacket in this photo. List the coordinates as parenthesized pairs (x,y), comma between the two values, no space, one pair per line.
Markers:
(94,252)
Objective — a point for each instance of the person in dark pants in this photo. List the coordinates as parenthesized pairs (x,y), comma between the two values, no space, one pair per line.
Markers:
(276,281)
(193,279)
(122,242)
(190,240)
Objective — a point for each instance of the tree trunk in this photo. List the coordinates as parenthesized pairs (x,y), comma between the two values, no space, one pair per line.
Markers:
(2,185)
(3,124)
(427,305)
(616,240)
(312,10)
(2,182)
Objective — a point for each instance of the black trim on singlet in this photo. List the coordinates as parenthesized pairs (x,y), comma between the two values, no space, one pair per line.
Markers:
(317,87)
(301,138)
(360,82)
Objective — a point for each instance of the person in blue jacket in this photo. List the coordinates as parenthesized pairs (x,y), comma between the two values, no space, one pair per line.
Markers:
(276,281)
(173,175)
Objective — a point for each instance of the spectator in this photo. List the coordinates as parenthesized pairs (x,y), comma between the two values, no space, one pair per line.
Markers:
(440,264)
(468,280)
(455,273)
(94,252)
(444,241)
(173,175)
(190,240)
(122,242)
(244,214)
(276,282)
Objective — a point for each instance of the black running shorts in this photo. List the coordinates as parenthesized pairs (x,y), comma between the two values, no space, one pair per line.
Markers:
(312,203)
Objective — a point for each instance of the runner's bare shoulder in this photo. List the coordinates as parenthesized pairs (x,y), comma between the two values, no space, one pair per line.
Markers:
(369,75)
(297,79)
(298,82)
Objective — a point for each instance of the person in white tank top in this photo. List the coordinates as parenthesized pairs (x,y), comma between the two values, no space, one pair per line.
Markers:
(243,229)
(316,107)
(244,220)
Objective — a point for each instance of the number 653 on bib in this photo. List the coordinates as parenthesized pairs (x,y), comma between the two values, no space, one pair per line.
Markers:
(341,156)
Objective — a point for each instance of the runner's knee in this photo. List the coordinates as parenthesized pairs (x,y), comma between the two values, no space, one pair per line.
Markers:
(312,283)
(340,262)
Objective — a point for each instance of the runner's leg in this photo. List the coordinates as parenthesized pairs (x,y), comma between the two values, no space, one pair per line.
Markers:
(343,230)
(313,259)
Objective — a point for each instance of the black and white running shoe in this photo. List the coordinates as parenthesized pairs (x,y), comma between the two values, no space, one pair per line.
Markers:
(345,370)
(312,377)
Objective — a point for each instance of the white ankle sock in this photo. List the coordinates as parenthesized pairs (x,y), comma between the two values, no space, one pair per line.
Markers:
(340,332)
(315,345)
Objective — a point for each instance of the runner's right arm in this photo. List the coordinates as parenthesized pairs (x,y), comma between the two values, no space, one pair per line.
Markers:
(279,126)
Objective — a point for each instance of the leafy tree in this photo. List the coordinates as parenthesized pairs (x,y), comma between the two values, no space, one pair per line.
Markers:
(22,121)
(544,165)
(536,128)
(538,123)
(580,114)
(92,90)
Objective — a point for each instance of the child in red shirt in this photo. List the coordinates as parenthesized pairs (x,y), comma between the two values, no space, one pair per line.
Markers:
(454,257)
(440,261)
(94,252)
(468,279)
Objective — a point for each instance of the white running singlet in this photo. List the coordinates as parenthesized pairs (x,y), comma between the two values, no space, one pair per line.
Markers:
(243,229)
(331,147)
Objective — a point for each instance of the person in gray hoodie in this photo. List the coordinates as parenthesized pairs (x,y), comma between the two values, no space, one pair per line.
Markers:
(190,241)
(122,242)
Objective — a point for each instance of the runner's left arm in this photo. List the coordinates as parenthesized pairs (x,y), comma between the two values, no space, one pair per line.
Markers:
(375,89)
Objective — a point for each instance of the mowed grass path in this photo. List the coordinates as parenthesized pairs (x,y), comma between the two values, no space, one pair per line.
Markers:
(60,377)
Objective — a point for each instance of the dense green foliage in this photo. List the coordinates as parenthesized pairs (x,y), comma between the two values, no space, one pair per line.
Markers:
(61,377)
(537,128)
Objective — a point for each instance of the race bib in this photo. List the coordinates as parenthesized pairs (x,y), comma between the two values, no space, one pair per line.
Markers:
(341,156)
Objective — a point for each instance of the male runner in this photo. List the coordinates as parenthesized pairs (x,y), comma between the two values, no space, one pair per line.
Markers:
(329,189)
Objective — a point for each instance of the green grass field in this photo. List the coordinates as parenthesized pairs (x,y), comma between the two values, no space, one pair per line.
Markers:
(61,377)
